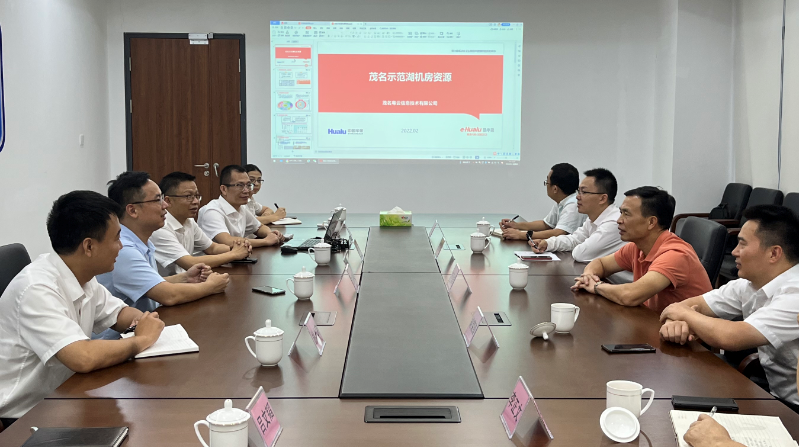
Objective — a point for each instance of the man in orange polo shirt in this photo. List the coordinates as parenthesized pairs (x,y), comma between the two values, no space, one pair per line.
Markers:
(665,268)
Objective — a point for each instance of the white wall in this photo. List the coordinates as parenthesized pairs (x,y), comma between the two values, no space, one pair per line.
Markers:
(55,89)
(593,95)
(790,111)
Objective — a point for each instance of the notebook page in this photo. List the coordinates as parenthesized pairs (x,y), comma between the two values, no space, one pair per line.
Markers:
(750,430)
(173,340)
(286,221)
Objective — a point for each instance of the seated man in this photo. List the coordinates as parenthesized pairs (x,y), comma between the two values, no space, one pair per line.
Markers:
(665,268)
(766,296)
(599,235)
(180,236)
(561,183)
(264,214)
(135,277)
(50,309)
(226,219)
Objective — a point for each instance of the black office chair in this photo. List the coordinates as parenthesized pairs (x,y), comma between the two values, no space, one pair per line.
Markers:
(791,202)
(730,209)
(13,258)
(759,196)
(708,239)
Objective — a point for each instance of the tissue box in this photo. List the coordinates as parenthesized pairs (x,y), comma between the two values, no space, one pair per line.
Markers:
(389,219)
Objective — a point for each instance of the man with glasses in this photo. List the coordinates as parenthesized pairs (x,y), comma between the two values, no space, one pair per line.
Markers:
(264,214)
(180,243)
(599,235)
(226,219)
(561,184)
(135,278)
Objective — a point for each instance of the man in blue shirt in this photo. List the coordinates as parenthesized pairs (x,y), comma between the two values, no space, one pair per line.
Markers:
(135,277)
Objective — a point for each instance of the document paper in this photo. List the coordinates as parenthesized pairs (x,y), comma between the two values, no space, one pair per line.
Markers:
(749,430)
(173,340)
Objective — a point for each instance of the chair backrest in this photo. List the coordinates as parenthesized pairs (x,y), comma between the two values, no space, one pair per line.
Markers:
(708,239)
(735,196)
(13,258)
(763,196)
(791,202)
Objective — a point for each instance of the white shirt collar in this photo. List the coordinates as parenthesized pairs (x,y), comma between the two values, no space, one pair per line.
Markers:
(72,288)
(172,223)
(226,206)
(604,215)
(566,199)
(771,288)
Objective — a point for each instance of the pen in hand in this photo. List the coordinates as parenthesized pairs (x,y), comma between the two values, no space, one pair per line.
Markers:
(130,329)
(713,411)
(514,219)
(276,207)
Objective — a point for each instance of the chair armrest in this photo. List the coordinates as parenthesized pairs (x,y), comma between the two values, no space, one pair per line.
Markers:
(748,361)
(683,216)
(729,223)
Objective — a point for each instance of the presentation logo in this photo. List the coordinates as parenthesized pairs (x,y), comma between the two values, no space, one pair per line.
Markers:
(336,132)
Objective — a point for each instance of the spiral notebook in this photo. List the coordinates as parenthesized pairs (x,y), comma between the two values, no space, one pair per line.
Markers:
(173,340)
(749,430)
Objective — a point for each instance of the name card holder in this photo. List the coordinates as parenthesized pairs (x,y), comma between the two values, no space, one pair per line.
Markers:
(515,407)
(347,271)
(454,276)
(443,242)
(474,325)
(435,225)
(352,240)
(313,331)
(264,428)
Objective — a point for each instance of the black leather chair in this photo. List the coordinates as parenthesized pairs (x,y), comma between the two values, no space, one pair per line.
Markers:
(734,199)
(13,258)
(759,196)
(791,202)
(708,239)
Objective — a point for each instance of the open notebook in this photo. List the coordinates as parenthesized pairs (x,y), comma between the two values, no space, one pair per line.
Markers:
(287,221)
(751,431)
(173,340)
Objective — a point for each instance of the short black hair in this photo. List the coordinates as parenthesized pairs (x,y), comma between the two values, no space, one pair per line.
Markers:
(78,215)
(252,167)
(566,177)
(655,202)
(227,173)
(776,225)
(606,182)
(127,188)
(171,181)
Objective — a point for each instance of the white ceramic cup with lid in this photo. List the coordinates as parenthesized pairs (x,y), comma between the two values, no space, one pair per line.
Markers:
(303,284)
(564,315)
(484,227)
(227,427)
(268,344)
(479,242)
(517,275)
(320,253)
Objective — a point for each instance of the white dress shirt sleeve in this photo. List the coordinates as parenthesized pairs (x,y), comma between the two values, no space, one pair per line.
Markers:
(106,307)
(567,242)
(602,242)
(551,219)
(777,320)
(43,324)
(253,224)
(168,248)
(201,240)
(569,219)
(726,302)
(212,222)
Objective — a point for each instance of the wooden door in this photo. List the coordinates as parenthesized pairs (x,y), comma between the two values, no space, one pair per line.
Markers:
(184,108)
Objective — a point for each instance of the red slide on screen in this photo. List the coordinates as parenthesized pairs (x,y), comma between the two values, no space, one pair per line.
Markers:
(381,83)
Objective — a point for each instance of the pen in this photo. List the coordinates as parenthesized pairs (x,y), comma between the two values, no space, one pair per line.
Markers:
(530,238)
(514,219)
(129,330)
(713,411)
(276,207)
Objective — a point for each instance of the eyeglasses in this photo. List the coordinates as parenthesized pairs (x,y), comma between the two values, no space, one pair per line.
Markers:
(159,200)
(249,186)
(546,182)
(580,192)
(190,197)
(257,181)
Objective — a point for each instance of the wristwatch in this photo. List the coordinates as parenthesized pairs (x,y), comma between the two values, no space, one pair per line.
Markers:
(596,284)
(530,235)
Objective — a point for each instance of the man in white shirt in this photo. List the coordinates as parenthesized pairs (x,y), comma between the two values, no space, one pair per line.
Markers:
(226,219)
(561,183)
(135,277)
(264,214)
(180,237)
(766,296)
(599,235)
(50,309)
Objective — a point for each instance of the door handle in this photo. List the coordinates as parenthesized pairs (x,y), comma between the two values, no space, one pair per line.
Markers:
(216,165)
(205,166)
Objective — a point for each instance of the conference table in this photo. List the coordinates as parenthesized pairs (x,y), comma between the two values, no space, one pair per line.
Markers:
(319,399)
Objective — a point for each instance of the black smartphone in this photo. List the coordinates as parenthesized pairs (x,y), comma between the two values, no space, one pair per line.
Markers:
(629,349)
(269,290)
(695,403)
(245,261)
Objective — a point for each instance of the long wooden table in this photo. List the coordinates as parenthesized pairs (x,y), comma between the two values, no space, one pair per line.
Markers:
(160,398)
